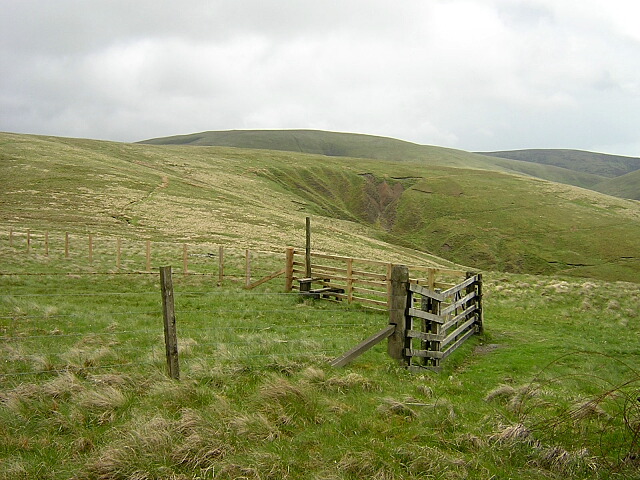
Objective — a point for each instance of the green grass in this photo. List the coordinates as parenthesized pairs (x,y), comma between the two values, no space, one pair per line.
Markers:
(549,390)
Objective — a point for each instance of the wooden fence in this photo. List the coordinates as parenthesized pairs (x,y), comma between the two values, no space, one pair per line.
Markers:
(357,279)
(425,325)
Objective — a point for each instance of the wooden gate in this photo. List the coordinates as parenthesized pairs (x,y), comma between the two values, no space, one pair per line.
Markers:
(438,322)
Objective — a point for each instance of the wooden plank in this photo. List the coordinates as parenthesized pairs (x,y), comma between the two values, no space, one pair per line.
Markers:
(266,279)
(428,337)
(426,292)
(460,286)
(437,271)
(459,342)
(457,332)
(415,312)
(369,291)
(362,347)
(459,317)
(457,304)
(369,301)
(409,352)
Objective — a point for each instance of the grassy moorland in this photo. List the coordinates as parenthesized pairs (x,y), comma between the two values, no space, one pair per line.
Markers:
(362,207)
(596,171)
(549,391)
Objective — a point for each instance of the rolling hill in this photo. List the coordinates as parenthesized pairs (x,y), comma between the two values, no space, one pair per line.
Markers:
(573,167)
(428,202)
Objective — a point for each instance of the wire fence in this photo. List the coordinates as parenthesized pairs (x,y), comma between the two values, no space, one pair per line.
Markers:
(80,323)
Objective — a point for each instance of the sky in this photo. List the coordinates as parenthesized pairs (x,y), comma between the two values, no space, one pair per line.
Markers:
(478,75)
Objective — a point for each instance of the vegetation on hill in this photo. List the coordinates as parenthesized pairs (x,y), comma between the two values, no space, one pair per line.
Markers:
(480,218)
(601,164)
(578,168)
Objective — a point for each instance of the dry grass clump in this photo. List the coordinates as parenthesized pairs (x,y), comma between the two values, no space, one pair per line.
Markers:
(160,448)
(514,398)
(63,385)
(102,403)
(351,381)
(391,407)
(288,403)
(254,426)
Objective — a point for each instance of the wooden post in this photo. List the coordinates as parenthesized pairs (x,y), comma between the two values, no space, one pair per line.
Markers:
(397,312)
(349,280)
(247,268)
(389,270)
(11,237)
(220,265)
(431,278)
(148,256)
(480,314)
(28,240)
(169,316)
(307,251)
(118,252)
(46,243)
(185,260)
(90,248)
(288,269)
(66,244)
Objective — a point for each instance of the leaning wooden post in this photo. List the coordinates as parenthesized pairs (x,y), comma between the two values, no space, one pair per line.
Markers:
(169,316)
(397,312)
(220,265)
(288,269)
(307,251)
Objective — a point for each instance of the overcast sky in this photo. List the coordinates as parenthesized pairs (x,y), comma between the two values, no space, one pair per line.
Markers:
(472,74)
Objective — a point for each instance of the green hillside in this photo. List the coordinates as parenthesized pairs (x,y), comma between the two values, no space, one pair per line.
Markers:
(601,164)
(624,186)
(369,208)
(578,168)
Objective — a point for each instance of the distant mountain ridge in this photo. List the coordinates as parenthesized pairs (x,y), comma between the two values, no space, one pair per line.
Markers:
(611,174)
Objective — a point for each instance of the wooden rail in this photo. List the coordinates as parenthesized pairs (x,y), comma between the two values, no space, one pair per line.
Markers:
(363,280)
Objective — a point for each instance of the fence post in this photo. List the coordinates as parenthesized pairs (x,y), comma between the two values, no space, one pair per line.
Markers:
(148,256)
(307,251)
(185,259)
(11,237)
(66,244)
(118,252)
(169,316)
(433,306)
(480,314)
(288,269)
(349,280)
(90,248)
(397,312)
(220,265)
(247,268)
(46,243)
(28,240)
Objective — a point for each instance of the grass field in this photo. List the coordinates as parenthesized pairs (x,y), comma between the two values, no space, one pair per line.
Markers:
(549,390)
